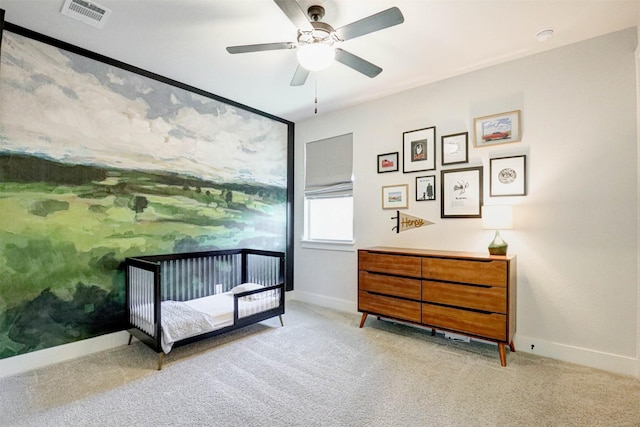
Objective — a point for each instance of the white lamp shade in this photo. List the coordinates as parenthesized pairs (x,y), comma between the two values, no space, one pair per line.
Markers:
(497,217)
(316,56)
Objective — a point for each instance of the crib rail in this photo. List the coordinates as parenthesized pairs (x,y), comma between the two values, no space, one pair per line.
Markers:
(143,299)
(188,278)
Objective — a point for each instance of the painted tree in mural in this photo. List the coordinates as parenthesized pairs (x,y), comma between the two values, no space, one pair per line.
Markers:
(97,164)
(139,204)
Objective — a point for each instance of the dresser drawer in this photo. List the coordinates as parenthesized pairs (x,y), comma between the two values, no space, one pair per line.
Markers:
(491,325)
(400,265)
(493,299)
(389,306)
(389,285)
(478,272)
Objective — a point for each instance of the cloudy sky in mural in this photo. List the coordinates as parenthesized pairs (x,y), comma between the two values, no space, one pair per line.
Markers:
(88,112)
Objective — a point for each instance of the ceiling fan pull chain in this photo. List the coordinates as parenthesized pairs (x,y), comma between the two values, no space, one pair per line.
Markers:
(316,98)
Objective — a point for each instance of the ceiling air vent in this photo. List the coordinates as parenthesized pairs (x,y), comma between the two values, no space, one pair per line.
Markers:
(85,11)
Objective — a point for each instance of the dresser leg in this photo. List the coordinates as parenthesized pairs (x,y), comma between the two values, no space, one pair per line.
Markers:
(364,317)
(503,354)
(512,347)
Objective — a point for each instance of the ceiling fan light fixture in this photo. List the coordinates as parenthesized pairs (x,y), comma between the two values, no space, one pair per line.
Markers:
(316,56)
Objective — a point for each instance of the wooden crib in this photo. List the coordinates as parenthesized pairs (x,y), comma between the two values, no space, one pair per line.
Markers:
(176,299)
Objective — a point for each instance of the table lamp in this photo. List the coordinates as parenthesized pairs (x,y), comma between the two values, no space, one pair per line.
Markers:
(497,218)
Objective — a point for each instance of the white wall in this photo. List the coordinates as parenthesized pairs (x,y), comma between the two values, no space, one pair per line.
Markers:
(576,232)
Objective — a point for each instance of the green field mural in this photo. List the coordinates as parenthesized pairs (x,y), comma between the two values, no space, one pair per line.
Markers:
(98,163)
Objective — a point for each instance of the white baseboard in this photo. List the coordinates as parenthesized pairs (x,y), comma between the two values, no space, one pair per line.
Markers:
(49,356)
(324,301)
(580,356)
(38,359)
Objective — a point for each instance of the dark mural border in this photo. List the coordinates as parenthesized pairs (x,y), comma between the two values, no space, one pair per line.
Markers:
(113,62)
(1,26)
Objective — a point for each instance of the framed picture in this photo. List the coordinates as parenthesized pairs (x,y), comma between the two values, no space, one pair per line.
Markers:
(395,196)
(461,193)
(388,162)
(497,129)
(455,148)
(419,150)
(508,176)
(425,188)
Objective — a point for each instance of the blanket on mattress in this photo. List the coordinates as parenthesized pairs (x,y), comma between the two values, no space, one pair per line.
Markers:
(209,313)
(180,321)
(185,319)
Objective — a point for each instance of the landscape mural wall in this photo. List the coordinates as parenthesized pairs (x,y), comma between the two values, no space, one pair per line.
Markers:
(100,161)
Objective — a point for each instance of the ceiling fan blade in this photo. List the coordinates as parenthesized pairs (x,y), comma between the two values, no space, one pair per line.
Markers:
(357,63)
(295,14)
(300,76)
(261,47)
(386,18)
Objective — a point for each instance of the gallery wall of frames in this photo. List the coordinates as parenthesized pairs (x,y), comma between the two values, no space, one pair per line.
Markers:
(461,184)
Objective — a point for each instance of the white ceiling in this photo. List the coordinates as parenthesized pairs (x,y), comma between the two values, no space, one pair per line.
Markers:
(185,40)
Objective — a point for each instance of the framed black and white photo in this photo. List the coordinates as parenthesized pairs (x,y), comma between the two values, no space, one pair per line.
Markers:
(395,196)
(425,188)
(388,162)
(508,176)
(419,150)
(497,129)
(461,193)
(455,148)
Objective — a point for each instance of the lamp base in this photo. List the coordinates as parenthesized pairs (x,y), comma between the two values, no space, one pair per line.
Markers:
(498,246)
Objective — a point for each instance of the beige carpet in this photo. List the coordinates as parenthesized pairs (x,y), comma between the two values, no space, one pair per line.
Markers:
(320,369)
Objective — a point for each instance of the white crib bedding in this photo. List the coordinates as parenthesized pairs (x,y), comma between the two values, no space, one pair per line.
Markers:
(186,319)
(218,307)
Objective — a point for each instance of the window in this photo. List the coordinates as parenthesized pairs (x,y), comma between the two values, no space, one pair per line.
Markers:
(329,219)
(328,190)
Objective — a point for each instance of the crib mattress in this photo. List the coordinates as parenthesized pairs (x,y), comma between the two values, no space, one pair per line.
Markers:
(218,307)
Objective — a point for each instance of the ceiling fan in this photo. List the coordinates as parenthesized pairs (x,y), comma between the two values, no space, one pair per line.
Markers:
(316,39)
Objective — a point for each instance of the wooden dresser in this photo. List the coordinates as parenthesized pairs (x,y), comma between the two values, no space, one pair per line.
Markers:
(472,294)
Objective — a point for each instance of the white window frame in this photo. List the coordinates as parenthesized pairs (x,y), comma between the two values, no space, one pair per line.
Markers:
(328,183)
(347,239)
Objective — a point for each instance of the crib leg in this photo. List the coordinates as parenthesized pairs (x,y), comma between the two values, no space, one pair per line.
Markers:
(130,338)
(281,322)
(160,356)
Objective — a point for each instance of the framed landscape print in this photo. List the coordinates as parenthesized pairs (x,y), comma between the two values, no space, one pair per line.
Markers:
(425,188)
(508,176)
(395,196)
(497,129)
(388,162)
(461,193)
(419,150)
(455,148)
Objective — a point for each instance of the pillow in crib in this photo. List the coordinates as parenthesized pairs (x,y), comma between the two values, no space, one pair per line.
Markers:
(249,287)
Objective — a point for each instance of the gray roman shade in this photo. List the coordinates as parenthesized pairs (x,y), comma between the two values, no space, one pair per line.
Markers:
(329,167)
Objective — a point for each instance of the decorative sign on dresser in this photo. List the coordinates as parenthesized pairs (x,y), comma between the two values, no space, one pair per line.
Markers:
(472,294)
